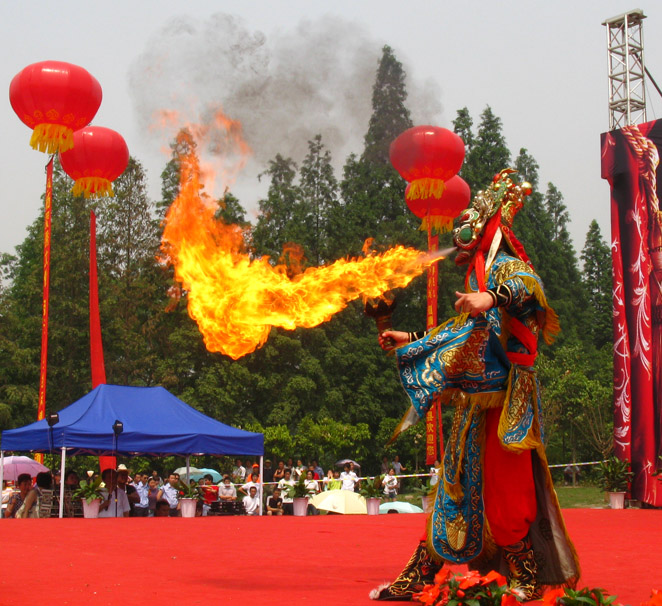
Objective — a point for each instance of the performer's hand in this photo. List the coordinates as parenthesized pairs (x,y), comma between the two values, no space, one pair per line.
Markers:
(473,303)
(390,339)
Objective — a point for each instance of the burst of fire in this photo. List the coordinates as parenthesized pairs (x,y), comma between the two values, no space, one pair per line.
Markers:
(235,300)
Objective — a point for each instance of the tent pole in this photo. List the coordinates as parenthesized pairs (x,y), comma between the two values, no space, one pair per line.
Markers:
(261,482)
(63,465)
(188,469)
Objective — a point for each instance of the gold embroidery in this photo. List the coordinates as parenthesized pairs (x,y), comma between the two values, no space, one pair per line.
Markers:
(509,269)
(466,359)
(457,532)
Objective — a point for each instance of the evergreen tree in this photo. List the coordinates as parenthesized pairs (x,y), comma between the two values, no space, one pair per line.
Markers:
(597,278)
(462,126)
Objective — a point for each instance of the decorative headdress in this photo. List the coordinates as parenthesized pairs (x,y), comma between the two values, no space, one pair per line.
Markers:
(489,218)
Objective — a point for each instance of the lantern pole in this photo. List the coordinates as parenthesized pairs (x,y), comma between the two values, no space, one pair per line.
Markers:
(48,200)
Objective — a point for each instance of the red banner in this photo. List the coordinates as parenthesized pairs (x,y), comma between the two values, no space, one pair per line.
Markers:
(48,202)
(432,418)
(630,161)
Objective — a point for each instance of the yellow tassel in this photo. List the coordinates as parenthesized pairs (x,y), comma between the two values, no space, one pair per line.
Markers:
(437,223)
(52,138)
(550,322)
(93,187)
(421,189)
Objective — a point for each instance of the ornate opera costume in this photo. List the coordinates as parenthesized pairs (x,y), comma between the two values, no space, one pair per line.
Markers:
(495,506)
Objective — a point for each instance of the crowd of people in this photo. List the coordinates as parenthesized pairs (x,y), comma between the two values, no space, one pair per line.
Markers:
(148,495)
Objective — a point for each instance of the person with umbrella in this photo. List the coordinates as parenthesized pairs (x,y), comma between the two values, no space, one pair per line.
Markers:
(23,484)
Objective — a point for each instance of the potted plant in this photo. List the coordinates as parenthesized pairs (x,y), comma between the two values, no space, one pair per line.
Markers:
(91,495)
(614,477)
(371,489)
(299,494)
(426,492)
(188,498)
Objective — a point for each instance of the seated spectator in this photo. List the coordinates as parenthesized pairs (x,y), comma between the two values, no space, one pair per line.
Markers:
(284,484)
(252,502)
(31,505)
(226,491)
(23,484)
(115,503)
(162,509)
(275,503)
(170,494)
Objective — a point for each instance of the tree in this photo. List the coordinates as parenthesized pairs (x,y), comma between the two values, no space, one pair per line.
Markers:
(390,116)
(488,153)
(462,126)
(597,279)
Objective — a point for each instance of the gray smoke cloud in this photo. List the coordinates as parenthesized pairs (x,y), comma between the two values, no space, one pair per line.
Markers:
(285,88)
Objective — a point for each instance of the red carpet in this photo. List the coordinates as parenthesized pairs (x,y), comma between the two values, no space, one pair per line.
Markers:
(239,560)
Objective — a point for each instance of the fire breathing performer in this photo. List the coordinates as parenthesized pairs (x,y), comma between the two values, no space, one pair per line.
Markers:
(495,507)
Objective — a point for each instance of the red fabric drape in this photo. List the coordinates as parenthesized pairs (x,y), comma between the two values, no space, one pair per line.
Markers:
(433,437)
(96,345)
(629,163)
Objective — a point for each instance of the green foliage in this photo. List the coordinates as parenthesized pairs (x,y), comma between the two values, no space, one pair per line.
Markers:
(188,491)
(89,491)
(371,488)
(298,490)
(614,474)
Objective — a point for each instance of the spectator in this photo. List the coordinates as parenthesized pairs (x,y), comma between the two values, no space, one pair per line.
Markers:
(284,484)
(298,471)
(226,491)
(141,508)
(268,472)
(275,503)
(390,484)
(252,502)
(209,493)
(162,509)
(157,477)
(385,465)
(253,481)
(348,478)
(571,474)
(317,468)
(336,483)
(23,484)
(313,487)
(170,494)
(43,488)
(399,467)
(115,503)
(279,472)
(328,478)
(130,491)
(152,492)
(238,472)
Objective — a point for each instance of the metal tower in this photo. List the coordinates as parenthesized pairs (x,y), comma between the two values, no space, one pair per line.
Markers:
(627,93)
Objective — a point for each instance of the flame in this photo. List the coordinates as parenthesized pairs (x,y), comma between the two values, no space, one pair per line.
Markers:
(236,299)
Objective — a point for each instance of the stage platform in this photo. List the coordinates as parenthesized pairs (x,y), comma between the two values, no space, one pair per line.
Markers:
(321,560)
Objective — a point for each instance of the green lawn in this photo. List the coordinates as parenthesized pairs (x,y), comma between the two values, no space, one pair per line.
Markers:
(580,496)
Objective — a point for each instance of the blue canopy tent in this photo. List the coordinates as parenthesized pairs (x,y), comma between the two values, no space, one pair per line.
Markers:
(153,422)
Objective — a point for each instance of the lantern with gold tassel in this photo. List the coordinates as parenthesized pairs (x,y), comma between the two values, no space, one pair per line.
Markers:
(54,99)
(98,157)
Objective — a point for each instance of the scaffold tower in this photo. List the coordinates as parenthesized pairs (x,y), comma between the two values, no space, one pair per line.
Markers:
(625,45)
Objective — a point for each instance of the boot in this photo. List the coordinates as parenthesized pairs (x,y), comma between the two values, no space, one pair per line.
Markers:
(419,571)
(523,570)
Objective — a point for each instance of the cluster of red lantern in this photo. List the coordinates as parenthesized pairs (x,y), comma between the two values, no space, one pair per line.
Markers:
(429,157)
(58,100)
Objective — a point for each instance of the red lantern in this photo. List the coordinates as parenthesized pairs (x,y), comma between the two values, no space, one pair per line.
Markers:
(54,99)
(98,157)
(438,213)
(426,156)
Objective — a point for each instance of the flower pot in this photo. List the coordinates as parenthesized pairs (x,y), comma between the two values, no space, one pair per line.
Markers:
(617,500)
(372,503)
(300,506)
(187,507)
(91,510)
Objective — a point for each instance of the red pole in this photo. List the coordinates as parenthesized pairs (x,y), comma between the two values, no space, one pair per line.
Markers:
(48,201)
(433,416)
